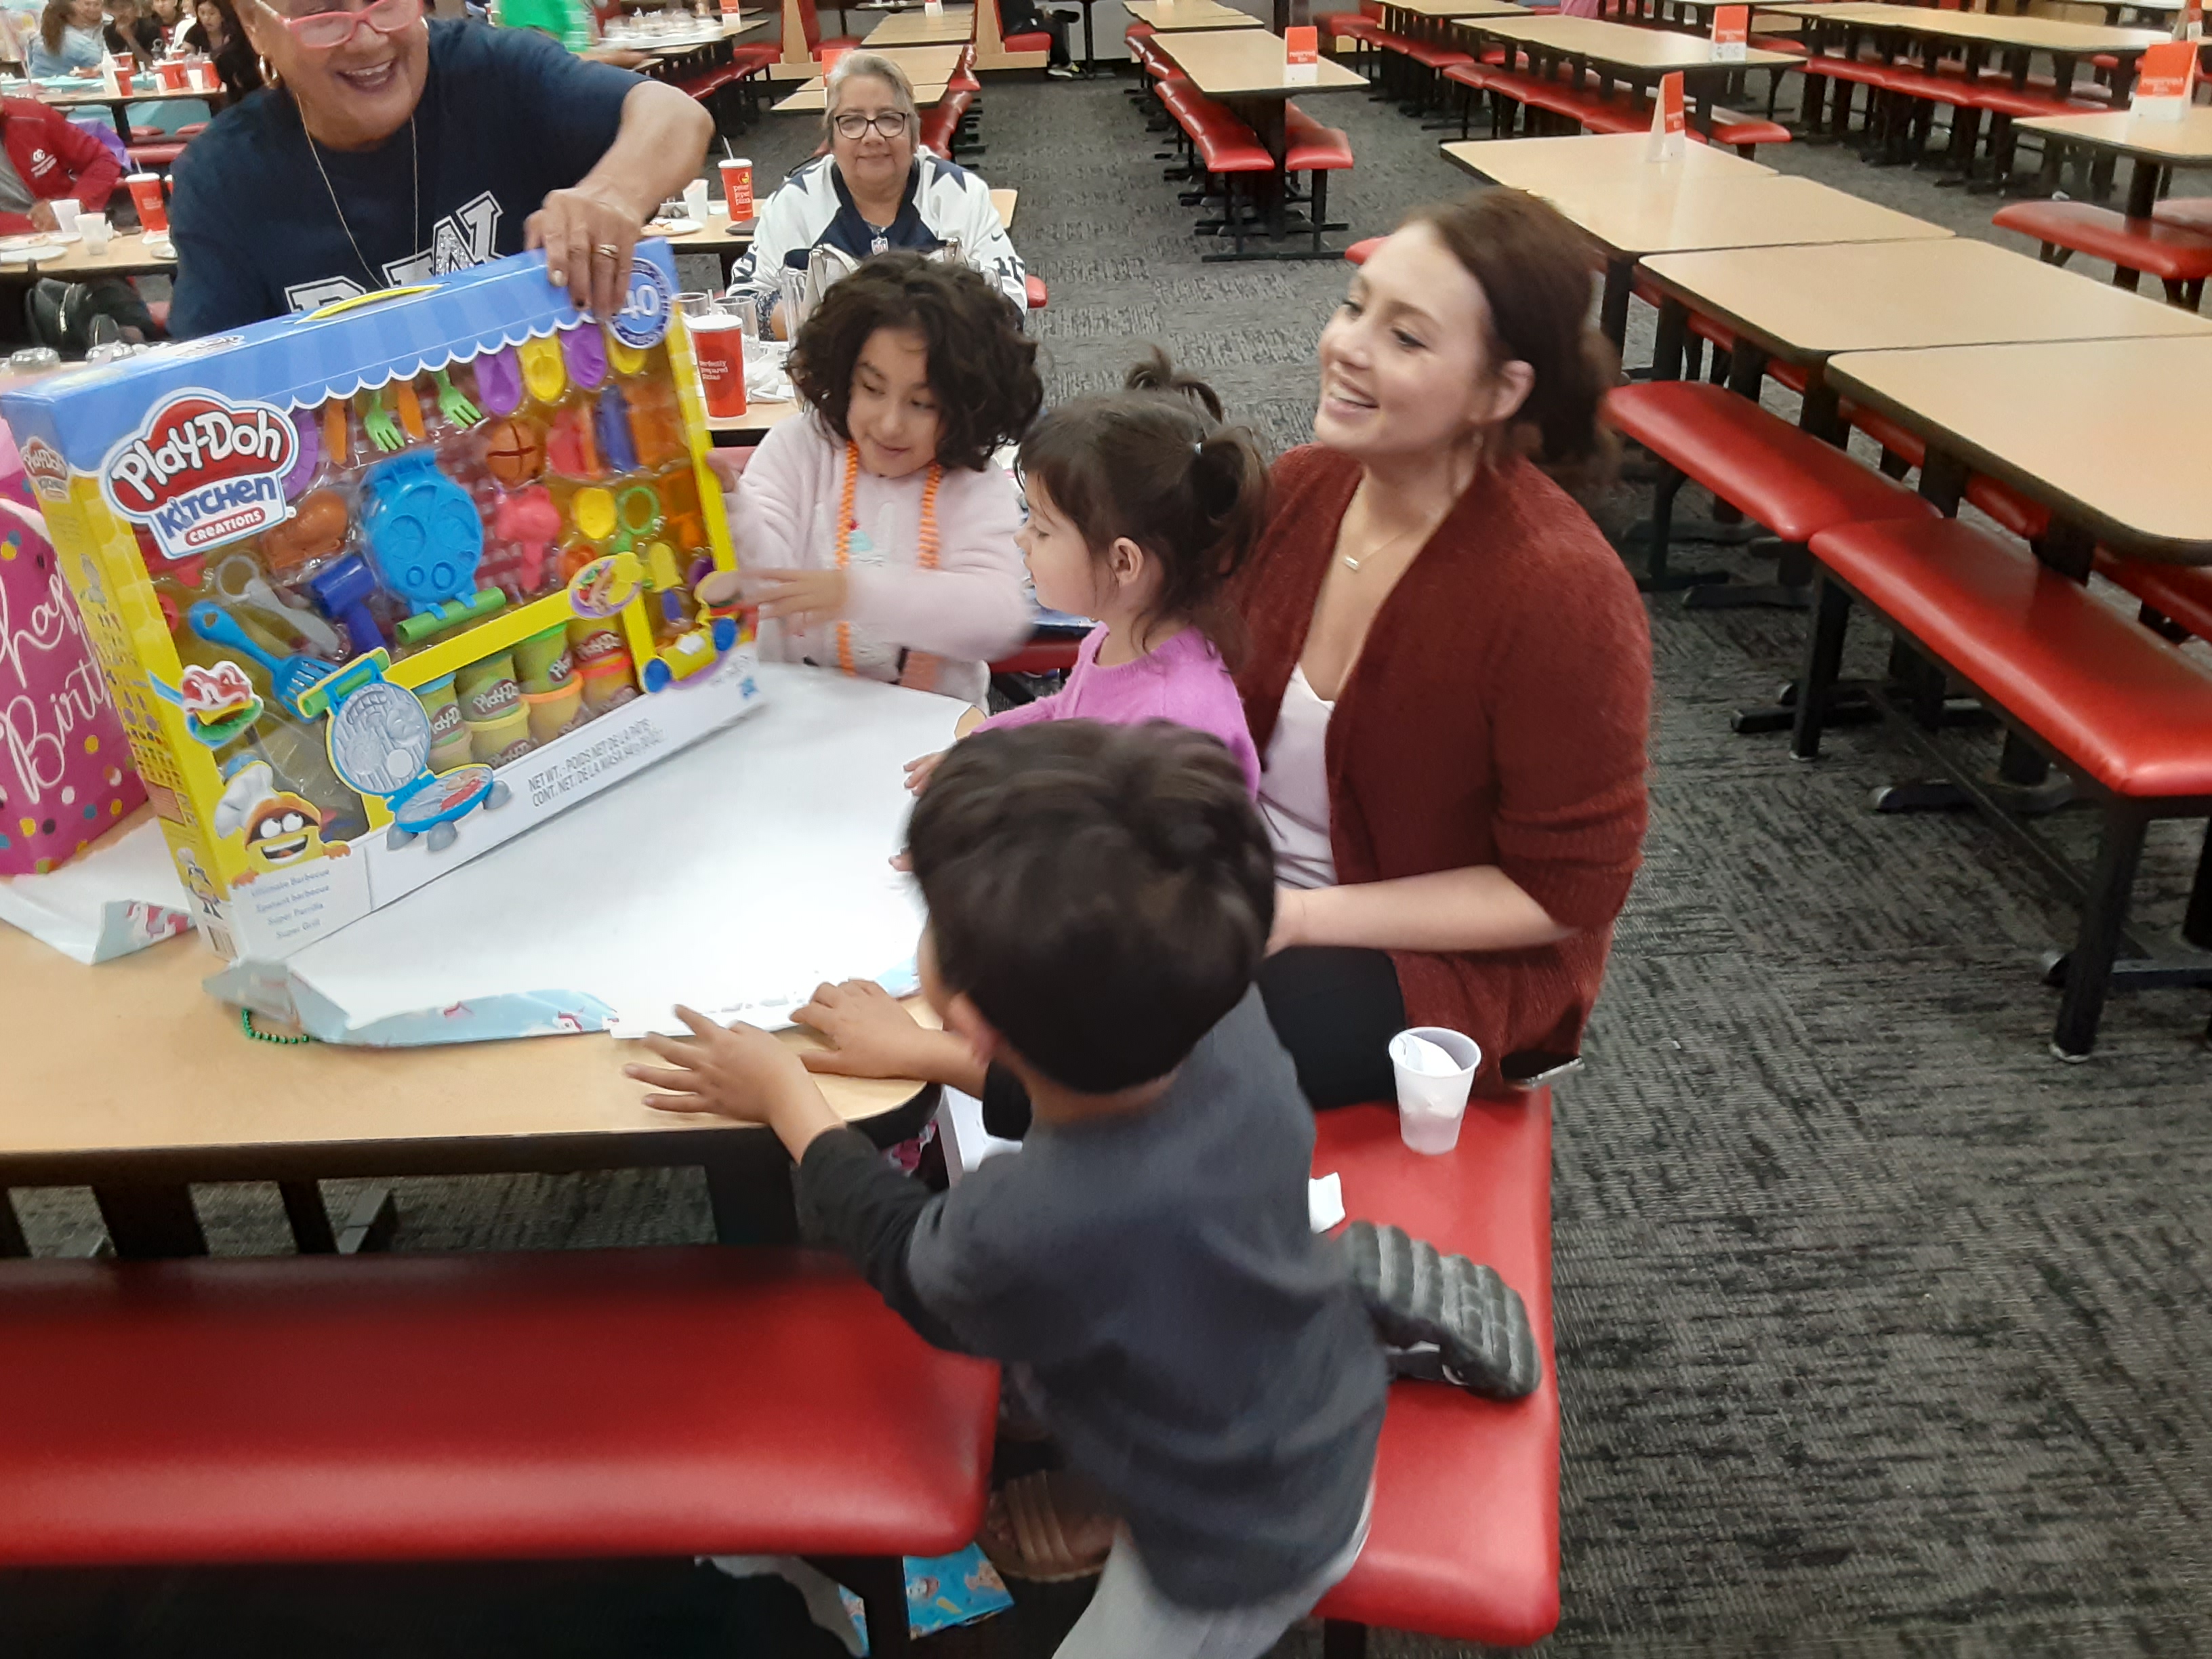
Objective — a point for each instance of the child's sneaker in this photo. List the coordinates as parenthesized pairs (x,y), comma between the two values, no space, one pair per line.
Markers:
(1062,71)
(1445,1319)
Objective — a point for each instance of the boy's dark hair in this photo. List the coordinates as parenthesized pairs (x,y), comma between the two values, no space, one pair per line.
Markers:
(1102,894)
(980,368)
(1153,462)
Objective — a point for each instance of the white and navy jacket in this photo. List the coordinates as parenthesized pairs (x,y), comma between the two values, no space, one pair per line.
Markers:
(943,203)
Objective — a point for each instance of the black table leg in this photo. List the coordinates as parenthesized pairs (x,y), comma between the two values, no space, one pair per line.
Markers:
(147,1221)
(750,1190)
(2142,188)
(12,1242)
(368,1225)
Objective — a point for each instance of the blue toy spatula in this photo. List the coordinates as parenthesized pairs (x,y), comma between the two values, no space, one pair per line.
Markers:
(291,677)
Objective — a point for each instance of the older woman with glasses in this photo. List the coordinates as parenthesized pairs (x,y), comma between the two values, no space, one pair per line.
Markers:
(874,191)
(392,150)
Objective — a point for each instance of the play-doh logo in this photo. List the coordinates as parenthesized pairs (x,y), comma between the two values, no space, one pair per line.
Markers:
(646,306)
(47,470)
(201,471)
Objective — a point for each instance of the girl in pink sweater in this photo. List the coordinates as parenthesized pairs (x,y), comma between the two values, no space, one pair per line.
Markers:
(1142,507)
(875,530)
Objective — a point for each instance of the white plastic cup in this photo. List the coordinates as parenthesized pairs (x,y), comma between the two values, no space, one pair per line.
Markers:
(96,231)
(1431,1101)
(695,200)
(65,211)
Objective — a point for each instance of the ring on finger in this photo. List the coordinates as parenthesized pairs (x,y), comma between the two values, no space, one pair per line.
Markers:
(608,251)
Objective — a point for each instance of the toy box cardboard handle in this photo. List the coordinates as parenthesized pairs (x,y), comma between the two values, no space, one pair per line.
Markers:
(339,308)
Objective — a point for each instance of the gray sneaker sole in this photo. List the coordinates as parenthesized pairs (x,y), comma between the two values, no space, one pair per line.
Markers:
(1451,1319)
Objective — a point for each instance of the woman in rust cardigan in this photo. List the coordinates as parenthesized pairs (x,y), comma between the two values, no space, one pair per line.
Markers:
(1451,672)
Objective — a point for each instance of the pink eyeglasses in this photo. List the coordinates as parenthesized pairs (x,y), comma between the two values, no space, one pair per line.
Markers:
(325,31)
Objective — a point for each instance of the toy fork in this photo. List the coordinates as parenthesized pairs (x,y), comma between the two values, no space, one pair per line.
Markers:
(456,408)
(376,420)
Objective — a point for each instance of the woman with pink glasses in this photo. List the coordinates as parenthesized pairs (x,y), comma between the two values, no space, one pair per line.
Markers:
(391,150)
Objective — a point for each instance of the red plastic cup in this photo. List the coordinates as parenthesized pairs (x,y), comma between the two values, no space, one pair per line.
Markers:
(175,77)
(737,190)
(718,343)
(146,197)
(125,64)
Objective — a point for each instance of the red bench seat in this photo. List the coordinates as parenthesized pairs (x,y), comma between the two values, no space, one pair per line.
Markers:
(2180,593)
(1785,478)
(1465,1540)
(586,1403)
(2120,707)
(2180,257)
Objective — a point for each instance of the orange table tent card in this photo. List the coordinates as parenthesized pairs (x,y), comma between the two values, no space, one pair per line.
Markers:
(2163,80)
(1731,32)
(1669,128)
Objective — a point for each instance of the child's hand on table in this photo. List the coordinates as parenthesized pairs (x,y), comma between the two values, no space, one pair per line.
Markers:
(871,1034)
(737,1072)
(919,771)
(800,598)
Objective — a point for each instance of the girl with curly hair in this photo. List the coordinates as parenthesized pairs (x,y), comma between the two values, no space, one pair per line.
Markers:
(878,533)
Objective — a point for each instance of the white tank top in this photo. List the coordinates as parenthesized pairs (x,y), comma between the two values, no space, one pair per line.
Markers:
(1294,788)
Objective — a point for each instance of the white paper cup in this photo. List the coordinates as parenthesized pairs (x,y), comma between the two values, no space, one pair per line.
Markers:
(1430,1104)
(65,212)
(694,200)
(96,231)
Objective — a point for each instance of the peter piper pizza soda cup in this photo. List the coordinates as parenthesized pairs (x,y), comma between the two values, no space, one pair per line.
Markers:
(737,190)
(146,197)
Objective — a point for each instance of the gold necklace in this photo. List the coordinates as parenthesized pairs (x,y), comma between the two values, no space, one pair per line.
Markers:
(415,213)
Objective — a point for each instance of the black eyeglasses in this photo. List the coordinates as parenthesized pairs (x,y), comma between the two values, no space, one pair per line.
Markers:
(854,124)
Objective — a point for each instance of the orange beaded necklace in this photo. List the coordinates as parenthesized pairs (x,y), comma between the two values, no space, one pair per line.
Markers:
(920,669)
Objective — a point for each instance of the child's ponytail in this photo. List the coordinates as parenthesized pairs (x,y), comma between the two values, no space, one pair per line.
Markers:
(1155,464)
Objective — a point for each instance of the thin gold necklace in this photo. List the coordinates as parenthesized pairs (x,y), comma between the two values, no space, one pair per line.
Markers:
(415,213)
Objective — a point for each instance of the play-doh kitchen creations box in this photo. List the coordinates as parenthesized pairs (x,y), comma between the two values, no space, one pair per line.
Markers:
(378,588)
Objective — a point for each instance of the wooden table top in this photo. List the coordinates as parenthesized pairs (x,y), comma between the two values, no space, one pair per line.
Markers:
(814,95)
(1592,160)
(1694,212)
(1444,10)
(1809,302)
(133,1055)
(2186,142)
(2035,34)
(717,235)
(1624,45)
(2111,433)
(1248,63)
(1171,17)
(919,28)
(126,256)
(93,93)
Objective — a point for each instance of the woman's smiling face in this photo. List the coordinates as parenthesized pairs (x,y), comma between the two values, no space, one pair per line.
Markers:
(351,96)
(1407,362)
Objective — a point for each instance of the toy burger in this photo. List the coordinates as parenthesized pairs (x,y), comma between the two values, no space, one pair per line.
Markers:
(219,703)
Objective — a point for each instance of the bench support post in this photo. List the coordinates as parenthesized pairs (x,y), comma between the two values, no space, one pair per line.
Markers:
(880,1583)
(12,1242)
(146,1221)
(1341,1639)
(2104,919)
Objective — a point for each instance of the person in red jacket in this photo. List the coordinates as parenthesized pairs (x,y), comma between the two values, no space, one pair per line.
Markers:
(44,158)
(1449,679)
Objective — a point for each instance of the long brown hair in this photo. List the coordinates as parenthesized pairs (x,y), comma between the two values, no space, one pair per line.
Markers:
(51,21)
(1154,463)
(1533,268)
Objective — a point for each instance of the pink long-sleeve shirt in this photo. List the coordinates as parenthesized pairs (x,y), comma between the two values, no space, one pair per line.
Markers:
(1184,681)
(968,610)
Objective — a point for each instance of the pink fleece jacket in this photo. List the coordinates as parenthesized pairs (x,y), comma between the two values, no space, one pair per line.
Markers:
(968,610)
(1184,681)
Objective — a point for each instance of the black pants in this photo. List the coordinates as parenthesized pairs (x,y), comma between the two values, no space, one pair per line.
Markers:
(1336,1007)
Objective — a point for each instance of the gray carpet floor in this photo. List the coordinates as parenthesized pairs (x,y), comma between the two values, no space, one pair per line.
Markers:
(1880,1333)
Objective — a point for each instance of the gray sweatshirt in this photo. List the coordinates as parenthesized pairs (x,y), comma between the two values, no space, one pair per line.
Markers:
(1195,1350)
